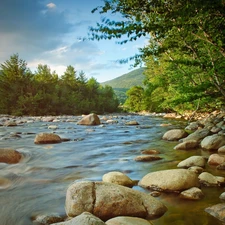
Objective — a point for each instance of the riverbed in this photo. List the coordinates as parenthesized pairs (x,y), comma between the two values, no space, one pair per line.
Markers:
(39,182)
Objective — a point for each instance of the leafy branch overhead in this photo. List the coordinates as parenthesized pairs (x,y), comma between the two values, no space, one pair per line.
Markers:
(186,39)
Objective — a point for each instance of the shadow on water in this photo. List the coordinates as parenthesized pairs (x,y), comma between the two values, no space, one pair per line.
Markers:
(40,180)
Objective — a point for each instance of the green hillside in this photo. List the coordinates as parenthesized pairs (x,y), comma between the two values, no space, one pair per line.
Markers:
(124,82)
(128,80)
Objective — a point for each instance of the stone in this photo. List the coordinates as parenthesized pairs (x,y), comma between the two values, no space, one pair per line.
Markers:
(216,159)
(126,220)
(196,169)
(192,161)
(192,126)
(150,151)
(221,150)
(174,135)
(116,177)
(9,156)
(207,179)
(198,135)
(213,142)
(84,218)
(186,145)
(217,211)
(90,120)
(132,123)
(48,219)
(147,158)
(222,196)
(107,200)
(47,138)
(173,180)
(10,124)
(193,193)
(4,183)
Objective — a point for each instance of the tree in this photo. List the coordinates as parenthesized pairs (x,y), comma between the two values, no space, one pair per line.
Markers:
(190,35)
(15,79)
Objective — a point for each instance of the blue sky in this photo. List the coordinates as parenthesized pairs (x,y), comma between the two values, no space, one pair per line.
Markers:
(49,32)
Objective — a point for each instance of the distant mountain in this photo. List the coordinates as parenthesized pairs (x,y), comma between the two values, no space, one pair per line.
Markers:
(124,82)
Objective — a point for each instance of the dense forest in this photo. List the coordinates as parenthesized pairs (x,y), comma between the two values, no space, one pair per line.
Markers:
(185,56)
(45,93)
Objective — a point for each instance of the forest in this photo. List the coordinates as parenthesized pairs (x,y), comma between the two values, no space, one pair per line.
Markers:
(45,93)
(185,55)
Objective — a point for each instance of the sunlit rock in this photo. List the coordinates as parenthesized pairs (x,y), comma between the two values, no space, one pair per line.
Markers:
(208,179)
(47,138)
(9,156)
(216,159)
(91,119)
(85,218)
(126,220)
(192,161)
(192,194)
(147,158)
(116,177)
(173,180)
(186,145)
(106,200)
(174,135)
(213,142)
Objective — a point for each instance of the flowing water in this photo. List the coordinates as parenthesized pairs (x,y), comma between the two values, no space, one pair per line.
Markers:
(39,182)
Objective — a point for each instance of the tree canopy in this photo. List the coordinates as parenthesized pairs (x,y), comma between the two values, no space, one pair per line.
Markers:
(45,93)
(186,50)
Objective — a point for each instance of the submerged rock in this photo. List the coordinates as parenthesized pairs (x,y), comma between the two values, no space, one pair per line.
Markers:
(218,211)
(192,194)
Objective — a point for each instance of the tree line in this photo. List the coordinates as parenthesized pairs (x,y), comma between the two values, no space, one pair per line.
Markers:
(185,55)
(45,93)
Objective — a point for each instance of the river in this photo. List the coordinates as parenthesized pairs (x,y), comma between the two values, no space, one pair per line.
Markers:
(40,180)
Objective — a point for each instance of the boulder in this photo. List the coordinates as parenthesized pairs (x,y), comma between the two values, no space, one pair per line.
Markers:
(47,138)
(216,159)
(186,145)
(192,126)
(192,161)
(207,179)
(147,158)
(173,180)
(192,194)
(221,150)
(85,218)
(90,120)
(217,211)
(126,220)
(116,177)
(150,151)
(196,169)
(48,219)
(198,135)
(106,200)
(174,135)
(132,123)
(213,142)
(9,156)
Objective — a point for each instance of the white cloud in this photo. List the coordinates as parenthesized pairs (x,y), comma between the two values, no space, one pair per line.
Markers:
(51,5)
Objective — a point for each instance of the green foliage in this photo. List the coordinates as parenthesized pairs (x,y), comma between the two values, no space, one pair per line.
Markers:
(44,93)
(185,57)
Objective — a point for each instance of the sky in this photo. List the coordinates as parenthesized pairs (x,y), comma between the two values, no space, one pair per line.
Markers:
(50,33)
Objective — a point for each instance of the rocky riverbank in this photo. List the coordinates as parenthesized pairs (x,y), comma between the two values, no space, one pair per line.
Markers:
(113,200)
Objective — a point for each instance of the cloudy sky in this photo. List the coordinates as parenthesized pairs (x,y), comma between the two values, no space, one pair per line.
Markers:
(49,32)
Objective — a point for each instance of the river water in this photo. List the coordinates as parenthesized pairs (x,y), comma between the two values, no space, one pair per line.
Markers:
(40,180)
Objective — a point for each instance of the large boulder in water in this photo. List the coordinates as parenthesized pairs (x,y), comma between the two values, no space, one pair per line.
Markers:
(47,138)
(173,180)
(106,200)
(213,142)
(91,119)
(9,156)
(174,135)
